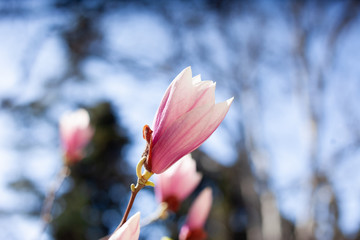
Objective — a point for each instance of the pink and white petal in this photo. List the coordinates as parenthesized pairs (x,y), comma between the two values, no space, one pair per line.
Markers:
(169,149)
(167,112)
(163,187)
(189,185)
(76,140)
(205,92)
(196,79)
(186,134)
(84,136)
(129,231)
(169,187)
(161,113)
(73,120)
(159,192)
(182,96)
(75,130)
(170,182)
(75,143)
(184,231)
(212,121)
(189,178)
(200,209)
(183,180)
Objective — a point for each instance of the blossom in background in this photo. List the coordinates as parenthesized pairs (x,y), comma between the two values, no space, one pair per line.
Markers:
(75,132)
(129,231)
(177,183)
(193,228)
(186,117)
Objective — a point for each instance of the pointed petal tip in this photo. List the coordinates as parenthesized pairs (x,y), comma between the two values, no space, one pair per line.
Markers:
(185,74)
(187,69)
(196,79)
(137,215)
(130,230)
(135,219)
(229,101)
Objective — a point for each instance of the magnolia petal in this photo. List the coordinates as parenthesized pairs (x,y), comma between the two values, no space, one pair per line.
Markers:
(188,177)
(200,209)
(167,150)
(184,94)
(196,79)
(76,132)
(129,231)
(75,120)
(205,92)
(181,83)
(186,134)
(162,187)
(179,180)
(211,122)
(184,232)
(79,138)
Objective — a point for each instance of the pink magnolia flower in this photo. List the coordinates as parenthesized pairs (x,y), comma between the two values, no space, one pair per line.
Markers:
(177,183)
(186,117)
(193,228)
(75,132)
(129,231)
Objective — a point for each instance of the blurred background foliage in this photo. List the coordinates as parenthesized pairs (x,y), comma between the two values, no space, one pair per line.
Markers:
(283,165)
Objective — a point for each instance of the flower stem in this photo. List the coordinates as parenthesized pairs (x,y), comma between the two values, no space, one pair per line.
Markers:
(134,192)
(142,181)
(50,197)
(130,204)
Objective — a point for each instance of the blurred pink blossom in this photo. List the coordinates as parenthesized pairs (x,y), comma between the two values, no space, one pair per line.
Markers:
(75,132)
(177,183)
(193,228)
(129,231)
(186,117)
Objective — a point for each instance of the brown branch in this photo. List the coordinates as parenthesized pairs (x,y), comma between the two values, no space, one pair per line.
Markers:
(134,192)
(128,208)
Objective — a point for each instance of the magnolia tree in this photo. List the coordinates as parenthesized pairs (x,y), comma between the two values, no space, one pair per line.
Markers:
(186,117)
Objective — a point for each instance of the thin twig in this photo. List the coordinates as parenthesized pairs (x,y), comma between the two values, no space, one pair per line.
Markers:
(46,215)
(129,206)
(143,180)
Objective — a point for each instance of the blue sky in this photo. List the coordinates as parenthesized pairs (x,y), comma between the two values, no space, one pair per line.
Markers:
(32,53)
